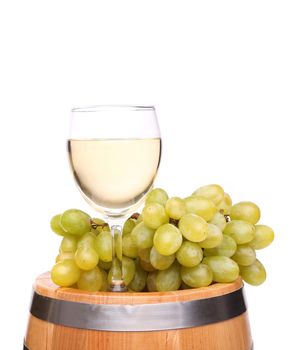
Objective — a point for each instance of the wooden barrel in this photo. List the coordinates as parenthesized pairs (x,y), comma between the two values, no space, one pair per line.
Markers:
(211,318)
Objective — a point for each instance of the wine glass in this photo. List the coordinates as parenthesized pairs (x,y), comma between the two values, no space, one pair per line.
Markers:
(114,153)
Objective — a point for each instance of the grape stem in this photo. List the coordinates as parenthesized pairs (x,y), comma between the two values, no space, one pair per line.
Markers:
(134,216)
(94,225)
(227,218)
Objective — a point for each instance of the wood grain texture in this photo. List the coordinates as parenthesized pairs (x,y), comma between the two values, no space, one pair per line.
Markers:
(46,287)
(233,334)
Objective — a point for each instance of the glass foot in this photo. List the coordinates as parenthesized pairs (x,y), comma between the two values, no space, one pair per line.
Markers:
(118,286)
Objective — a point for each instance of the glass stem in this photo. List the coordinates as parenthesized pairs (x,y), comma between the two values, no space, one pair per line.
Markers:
(117,283)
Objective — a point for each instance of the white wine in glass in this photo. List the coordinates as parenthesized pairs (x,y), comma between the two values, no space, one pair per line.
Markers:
(114,174)
(114,152)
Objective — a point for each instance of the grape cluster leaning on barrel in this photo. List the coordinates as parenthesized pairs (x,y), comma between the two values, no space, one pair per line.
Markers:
(173,244)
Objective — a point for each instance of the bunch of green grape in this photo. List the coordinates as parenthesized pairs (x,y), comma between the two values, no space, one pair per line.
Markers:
(173,244)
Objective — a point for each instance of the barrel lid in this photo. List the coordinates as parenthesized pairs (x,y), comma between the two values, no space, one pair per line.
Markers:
(45,287)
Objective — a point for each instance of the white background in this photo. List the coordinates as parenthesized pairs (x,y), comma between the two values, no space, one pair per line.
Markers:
(227,79)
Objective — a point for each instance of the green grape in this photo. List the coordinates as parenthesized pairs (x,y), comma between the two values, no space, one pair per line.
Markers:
(241,231)
(226,248)
(175,208)
(103,246)
(138,283)
(102,228)
(75,221)
(97,222)
(142,236)
(118,244)
(219,220)
(92,280)
(189,254)
(68,244)
(106,228)
(214,237)
(213,192)
(154,215)
(94,231)
(246,211)
(224,269)
(144,254)
(151,281)
(169,279)
(193,227)
(244,255)
(128,270)
(87,240)
(225,205)
(104,281)
(65,256)
(196,276)
(159,261)
(86,258)
(129,248)
(200,206)
(128,226)
(254,274)
(146,265)
(56,227)
(65,273)
(263,236)
(105,265)
(167,239)
(139,219)
(157,195)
